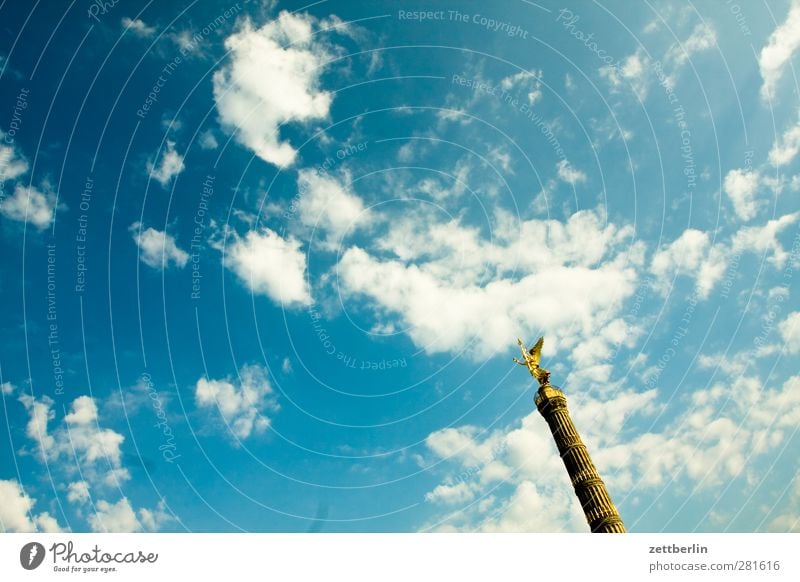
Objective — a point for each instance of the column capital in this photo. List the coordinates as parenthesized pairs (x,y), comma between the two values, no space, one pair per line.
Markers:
(547,393)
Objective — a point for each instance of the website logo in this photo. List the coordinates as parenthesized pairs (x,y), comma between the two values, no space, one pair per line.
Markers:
(31,555)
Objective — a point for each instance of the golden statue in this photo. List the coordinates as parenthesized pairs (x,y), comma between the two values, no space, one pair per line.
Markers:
(531,360)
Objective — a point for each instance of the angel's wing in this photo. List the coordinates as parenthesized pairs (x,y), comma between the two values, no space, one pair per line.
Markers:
(536,351)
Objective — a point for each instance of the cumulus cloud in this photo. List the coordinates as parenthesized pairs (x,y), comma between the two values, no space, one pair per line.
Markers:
(116,517)
(632,74)
(28,203)
(741,187)
(634,71)
(157,249)
(273,78)
(692,255)
(790,332)
(120,517)
(12,163)
(457,493)
(327,203)
(789,521)
(786,147)
(775,56)
(208,141)
(722,430)
(79,446)
(78,492)
(569,174)
(40,413)
(171,165)
(16,511)
(440,191)
(138,27)
(763,240)
(243,403)
(94,451)
(526,81)
(455,291)
(702,38)
(155,519)
(406,152)
(270,265)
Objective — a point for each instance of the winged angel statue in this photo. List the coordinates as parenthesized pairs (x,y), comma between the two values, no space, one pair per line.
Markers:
(531,360)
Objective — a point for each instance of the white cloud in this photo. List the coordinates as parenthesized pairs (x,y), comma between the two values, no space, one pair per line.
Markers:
(451,494)
(12,163)
(790,332)
(327,203)
(90,451)
(776,55)
(40,414)
(88,448)
(406,152)
(692,255)
(78,492)
(16,511)
(46,523)
(454,115)
(184,40)
(455,291)
(789,521)
(502,158)
(86,440)
(741,186)
(155,519)
(463,443)
(28,203)
(271,266)
(171,165)
(138,27)
(157,249)
(703,37)
(531,509)
(6,388)
(567,173)
(272,79)
(84,411)
(530,81)
(763,240)
(118,517)
(208,141)
(632,74)
(242,403)
(673,15)
(439,192)
(785,149)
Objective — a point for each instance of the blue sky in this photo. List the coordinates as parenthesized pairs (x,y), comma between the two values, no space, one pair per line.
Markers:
(265,264)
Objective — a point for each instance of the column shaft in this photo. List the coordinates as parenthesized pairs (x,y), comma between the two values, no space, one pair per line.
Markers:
(600,512)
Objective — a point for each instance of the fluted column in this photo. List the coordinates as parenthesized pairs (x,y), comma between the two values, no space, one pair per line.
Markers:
(589,487)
